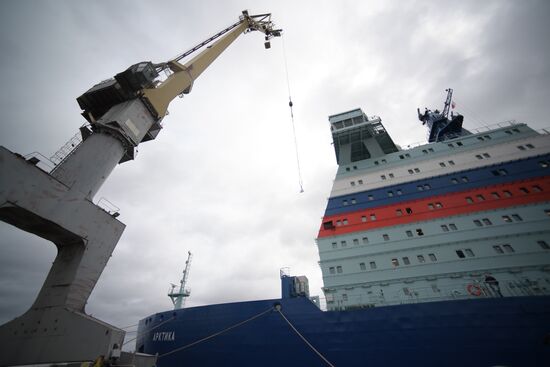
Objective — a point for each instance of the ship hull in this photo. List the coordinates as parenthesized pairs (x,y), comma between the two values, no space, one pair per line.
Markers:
(511,331)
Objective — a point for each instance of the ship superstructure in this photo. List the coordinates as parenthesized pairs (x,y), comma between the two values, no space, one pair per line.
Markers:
(466,216)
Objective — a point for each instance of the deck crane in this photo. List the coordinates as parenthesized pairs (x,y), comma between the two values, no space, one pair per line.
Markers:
(57,205)
(178,297)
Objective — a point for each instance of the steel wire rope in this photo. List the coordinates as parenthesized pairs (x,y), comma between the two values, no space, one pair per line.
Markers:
(216,333)
(290,104)
(278,309)
(153,328)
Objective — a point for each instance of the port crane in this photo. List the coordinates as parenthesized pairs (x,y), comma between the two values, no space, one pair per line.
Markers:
(57,205)
(178,297)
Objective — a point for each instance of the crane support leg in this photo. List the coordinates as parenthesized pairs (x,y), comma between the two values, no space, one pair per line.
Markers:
(85,236)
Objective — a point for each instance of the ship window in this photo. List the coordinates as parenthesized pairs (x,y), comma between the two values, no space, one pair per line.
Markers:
(332,270)
(453,226)
(395,262)
(355,242)
(547,212)
(401,157)
(444,228)
(432,257)
(460,254)
(480,138)
(507,193)
(438,205)
(347,169)
(431,150)
(390,194)
(480,197)
(345,202)
(383,177)
(544,164)
(363,218)
(517,218)
(372,265)
(419,232)
(410,171)
(339,269)
(371,197)
(478,156)
(498,249)
(391,175)
(469,200)
(399,192)
(399,212)
(544,245)
(507,218)
(442,164)
(530,146)
(449,145)
(360,182)
(409,233)
(354,167)
(536,188)
(487,222)
(345,221)
(352,183)
(365,240)
(343,243)
(469,252)
(524,190)
(425,151)
(478,223)
(344,297)
(452,163)
(373,217)
(353,201)
(328,225)
(408,210)
(376,163)
(362,266)
(421,259)
(335,245)
(359,151)
(502,172)
(508,132)
(454,180)
(464,179)
(406,261)
(338,222)
(430,206)
(416,170)
(508,248)
(427,186)
(419,187)
(407,155)
(383,161)
(487,137)
(386,237)
(521,147)
(486,155)
(495,195)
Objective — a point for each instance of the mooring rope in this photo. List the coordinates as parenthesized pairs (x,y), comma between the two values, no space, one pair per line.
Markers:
(278,309)
(216,334)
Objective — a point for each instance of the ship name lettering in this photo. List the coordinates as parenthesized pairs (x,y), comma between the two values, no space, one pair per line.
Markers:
(164,336)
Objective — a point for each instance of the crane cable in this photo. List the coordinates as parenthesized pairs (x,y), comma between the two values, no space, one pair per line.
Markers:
(290,104)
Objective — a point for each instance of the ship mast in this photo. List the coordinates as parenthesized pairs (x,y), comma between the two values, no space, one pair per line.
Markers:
(178,298)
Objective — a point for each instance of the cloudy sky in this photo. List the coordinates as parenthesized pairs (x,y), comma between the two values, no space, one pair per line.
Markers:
(221,179)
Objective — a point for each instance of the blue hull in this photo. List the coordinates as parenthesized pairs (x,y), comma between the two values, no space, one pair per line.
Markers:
(512,331)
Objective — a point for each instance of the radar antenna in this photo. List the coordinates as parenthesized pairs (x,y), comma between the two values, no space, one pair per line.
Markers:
(178,297)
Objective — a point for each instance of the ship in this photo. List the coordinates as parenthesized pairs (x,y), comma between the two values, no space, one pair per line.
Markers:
(433,255)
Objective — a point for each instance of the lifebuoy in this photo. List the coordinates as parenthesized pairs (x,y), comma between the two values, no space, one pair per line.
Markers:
(474,289)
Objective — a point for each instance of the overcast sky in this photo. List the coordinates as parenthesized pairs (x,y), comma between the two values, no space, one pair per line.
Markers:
(221,179)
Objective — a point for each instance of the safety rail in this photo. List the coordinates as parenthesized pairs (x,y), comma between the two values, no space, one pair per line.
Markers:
(40,161)
(109,207)
(467,290)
